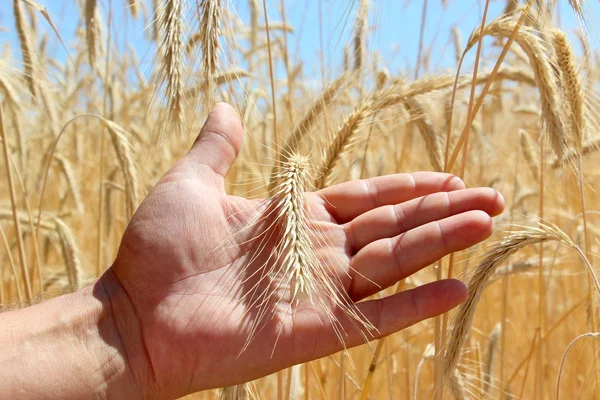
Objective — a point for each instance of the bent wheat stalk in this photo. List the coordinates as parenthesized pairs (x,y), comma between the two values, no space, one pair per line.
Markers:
(594,335)
(511,244)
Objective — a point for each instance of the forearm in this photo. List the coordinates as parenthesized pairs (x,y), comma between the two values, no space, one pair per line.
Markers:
(67,347)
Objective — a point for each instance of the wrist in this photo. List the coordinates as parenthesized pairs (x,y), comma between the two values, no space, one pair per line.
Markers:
(123,331)
(72,346)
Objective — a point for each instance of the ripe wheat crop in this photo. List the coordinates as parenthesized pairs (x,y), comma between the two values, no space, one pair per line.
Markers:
(90,122)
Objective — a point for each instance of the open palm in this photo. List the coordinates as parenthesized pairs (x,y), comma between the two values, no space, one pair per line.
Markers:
(188,264)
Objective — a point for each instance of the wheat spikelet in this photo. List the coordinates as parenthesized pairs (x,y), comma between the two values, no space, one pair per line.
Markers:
(571,85)
(29,61)
(529,153)
(210,30)
(538,55)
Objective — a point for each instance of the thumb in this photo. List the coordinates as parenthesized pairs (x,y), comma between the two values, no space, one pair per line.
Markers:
(217,145)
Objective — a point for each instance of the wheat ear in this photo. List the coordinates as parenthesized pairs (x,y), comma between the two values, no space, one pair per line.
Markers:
(542,63)
(491,357)
(529,153)
(209,33)
(91,28)
(293,272)
(425,126)
(24,33)
(67,169)
(571,85)
(362,24)
(122,148)
(172,25)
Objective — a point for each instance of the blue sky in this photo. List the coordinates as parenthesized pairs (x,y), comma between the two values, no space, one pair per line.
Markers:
(395,37)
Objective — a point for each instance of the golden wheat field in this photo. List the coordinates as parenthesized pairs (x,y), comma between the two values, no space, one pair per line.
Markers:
(91,119)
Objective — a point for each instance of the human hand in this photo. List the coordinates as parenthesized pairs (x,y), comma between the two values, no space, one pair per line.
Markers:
(176,285)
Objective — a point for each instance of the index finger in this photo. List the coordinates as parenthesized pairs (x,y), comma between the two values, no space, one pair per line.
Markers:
(348,200)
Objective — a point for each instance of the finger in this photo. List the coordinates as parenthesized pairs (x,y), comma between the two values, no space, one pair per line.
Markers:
(348,200)
(389,221)
(399,311)
(216,147)
(386,261)
(390,314)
